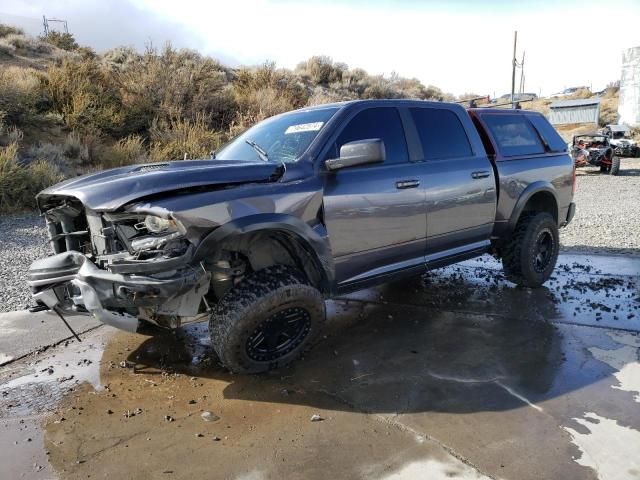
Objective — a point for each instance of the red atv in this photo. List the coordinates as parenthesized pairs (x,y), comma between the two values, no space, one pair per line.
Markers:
(594,149)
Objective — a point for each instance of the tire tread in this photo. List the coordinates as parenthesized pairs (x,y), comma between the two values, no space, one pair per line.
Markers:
(234,307)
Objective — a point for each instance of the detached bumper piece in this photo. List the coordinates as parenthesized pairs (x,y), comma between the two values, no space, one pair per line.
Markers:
(70,282)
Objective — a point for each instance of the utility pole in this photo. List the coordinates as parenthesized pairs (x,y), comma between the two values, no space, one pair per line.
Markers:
(514,63)
(522,74)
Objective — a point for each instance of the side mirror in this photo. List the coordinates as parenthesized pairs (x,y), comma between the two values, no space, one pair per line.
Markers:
(360,152)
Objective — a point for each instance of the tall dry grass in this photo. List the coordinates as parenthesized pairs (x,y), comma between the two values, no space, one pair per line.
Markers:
(18,183)
(20,94)
(177,139)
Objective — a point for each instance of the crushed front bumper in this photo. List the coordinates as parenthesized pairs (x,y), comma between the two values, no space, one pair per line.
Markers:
(71,282)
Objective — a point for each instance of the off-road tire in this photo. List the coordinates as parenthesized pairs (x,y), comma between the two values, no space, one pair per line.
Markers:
(615,165)
(520,254)
(258,297)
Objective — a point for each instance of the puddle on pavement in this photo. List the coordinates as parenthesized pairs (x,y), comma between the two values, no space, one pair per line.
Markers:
(39,385)
(148,419)
(463,342)
(148,416)
(624,359)
(32,389)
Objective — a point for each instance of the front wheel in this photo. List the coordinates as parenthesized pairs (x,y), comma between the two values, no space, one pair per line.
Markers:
(532,251)
(615,165)
(266,321)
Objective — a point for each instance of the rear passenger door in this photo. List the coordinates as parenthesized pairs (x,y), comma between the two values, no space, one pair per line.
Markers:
(460,191)
(375,213)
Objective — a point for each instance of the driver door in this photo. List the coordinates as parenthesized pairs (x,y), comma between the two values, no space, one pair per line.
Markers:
(375,213)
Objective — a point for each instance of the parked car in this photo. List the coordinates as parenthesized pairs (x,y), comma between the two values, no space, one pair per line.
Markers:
(518,97)
(620,140)
(568,91)
(302,207)
(596,150)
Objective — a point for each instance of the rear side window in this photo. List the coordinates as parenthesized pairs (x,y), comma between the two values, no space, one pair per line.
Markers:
(383,123)
(514,135)
(441,133)
(548,133)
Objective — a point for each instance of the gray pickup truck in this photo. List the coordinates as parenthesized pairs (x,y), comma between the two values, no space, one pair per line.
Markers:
(302,207)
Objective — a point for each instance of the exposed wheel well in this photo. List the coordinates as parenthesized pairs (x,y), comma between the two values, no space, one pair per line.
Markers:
(542,202)
(266,248)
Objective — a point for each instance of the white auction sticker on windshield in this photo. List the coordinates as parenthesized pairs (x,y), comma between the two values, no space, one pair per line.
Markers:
(304,127)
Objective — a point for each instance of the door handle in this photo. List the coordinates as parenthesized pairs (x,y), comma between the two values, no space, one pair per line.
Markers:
(480,174)
(402,184)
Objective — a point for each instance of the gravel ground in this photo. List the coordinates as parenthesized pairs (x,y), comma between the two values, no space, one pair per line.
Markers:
(23,239)
(607,216)
(607,220)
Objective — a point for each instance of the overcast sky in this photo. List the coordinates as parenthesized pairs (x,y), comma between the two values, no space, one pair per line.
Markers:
(459,46)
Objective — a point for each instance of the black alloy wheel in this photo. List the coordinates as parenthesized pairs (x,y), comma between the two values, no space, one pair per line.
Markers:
(279,334)
(544,251)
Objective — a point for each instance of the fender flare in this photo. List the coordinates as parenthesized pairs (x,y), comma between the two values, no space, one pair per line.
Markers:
(317,246)
(525,196)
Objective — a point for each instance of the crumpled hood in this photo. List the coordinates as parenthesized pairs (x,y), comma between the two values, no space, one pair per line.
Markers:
(110,189)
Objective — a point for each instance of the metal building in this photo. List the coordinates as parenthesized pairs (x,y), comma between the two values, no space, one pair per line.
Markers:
(585,110)
(629,100)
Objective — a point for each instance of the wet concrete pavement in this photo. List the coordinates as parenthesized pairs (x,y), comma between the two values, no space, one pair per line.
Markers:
(22,333)
(457,374)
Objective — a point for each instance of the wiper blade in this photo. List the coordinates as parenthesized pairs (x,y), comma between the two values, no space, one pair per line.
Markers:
(259,150)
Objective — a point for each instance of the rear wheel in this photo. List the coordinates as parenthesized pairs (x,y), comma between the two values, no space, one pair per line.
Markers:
(531,254)
(266,321)
(615,165)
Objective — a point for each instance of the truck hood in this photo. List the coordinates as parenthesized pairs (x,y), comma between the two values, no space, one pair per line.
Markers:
(111,189)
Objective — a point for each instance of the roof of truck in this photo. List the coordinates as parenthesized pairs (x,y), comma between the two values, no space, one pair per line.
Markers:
(513,111)
(397,101)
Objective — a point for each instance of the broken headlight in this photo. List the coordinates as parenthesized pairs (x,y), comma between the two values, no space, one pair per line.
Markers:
(162,231)
(144,235)
(160,225)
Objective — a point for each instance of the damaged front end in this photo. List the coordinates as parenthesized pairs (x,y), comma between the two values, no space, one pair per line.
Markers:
(119,267)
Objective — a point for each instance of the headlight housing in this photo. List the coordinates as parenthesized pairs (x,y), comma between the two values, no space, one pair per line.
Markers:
(160,225)
(161,230)
(151,243)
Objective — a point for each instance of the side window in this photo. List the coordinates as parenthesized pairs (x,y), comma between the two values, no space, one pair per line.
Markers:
(383,123)
(441,133)
(514,135)
(546,131)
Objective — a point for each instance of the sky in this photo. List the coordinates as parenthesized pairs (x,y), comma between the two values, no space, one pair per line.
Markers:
(459,46)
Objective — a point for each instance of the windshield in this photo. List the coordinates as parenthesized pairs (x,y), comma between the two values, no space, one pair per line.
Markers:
(283,138)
